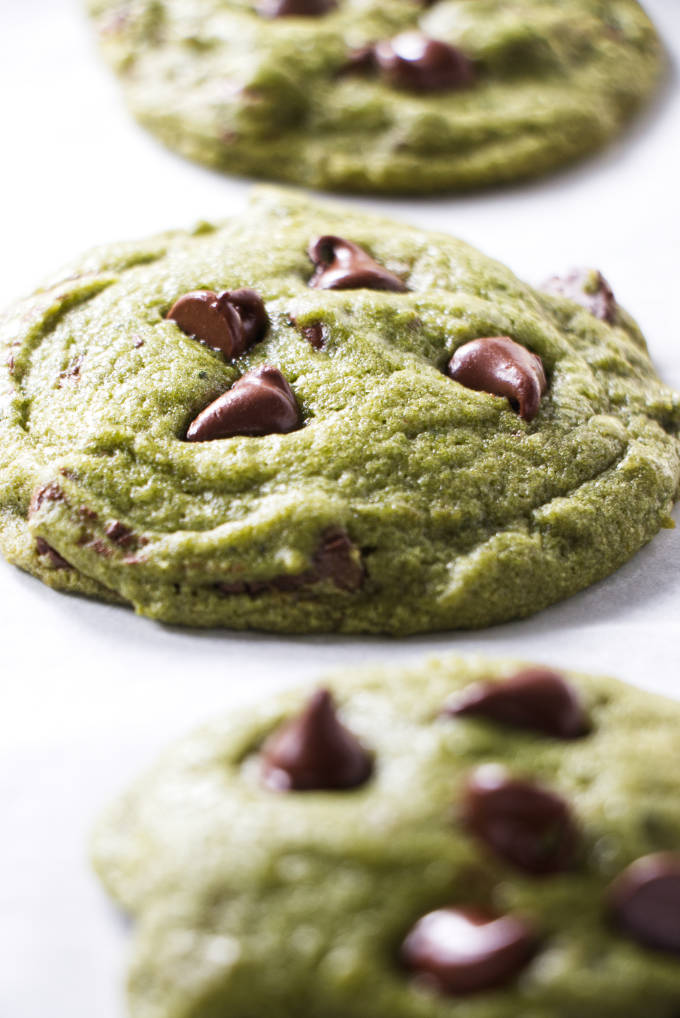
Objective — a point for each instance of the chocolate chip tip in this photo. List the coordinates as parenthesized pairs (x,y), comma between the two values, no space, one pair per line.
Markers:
(315,751)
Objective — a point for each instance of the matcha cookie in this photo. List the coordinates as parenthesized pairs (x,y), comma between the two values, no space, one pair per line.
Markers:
(403,96)
(307,419)
(460,840)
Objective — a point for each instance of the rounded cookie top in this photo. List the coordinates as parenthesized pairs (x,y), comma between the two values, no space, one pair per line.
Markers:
(308,419)
(362,95)
(464,838)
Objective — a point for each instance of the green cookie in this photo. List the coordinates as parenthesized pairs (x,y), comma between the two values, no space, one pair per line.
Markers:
(434,444)
(348,98)
(537,819)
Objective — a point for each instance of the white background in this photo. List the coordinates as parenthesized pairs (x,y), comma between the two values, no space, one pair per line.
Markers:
(90,693)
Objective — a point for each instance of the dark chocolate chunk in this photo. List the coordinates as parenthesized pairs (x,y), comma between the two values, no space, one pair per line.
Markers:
(261,402)
(342,265)
(535,698)
(416,62)
(521,822)
(586,287)
(230,321)
(466,950)
(45,549)
(645,901)
(295,8)
(336,559)
(315,751)
(502,367)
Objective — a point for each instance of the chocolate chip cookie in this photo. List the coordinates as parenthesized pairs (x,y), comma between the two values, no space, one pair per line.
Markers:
(464,839)
(361,95)
(308,419)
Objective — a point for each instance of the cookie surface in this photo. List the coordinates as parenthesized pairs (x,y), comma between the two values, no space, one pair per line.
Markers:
(253,901)
(530,85)
(384,465)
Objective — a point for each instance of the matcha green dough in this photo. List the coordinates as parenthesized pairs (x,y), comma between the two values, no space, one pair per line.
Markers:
(403,501)
(251,902)
(287,98)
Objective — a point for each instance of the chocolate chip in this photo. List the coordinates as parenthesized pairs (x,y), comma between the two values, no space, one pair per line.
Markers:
(261,402)
(336,559)
(645,901)
(48,493)
(251,310)
(342,265)
(502,367)
(120,534)
(586,287)
(45,549)
(416,62)
(295,8)
(100,547)
(315,751)
(314,335)
(360,60)
(230,321)
(521,822)
(467,950)
(535,698)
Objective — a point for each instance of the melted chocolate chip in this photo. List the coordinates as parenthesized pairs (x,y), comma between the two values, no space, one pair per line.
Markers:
(535,698)
(502,367)
(523,823)
(314,335)
(336,559)
(120,534)
(415,62)
(48,493)
(230,321)
(295,8)
(586,287)
(261,402)
(645,901)
(315,751)
(45,549)
(342,265)
(466,950)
